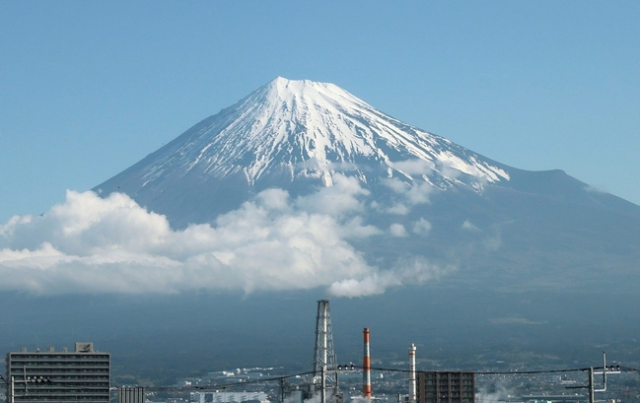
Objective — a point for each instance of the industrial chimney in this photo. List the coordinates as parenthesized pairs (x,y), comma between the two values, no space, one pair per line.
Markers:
(366,366)
(412,373)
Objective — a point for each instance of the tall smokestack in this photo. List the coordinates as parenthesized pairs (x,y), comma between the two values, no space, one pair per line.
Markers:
(412,373)
(366,366)
(324,357)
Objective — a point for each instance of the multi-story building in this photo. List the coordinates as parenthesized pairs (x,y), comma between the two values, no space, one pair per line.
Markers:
(446,387)
(59,376)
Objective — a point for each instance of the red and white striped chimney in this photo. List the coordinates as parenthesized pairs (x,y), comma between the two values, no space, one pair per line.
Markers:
(366,366)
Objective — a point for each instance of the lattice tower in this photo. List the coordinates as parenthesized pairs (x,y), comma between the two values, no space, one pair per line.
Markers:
(324,360)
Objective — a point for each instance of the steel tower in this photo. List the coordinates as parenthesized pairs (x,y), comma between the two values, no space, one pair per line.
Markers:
(324,361)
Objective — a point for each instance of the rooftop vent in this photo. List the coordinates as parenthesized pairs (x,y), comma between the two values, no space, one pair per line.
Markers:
(84,347)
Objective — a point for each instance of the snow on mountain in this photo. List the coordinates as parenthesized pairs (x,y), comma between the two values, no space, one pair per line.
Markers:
(311,130)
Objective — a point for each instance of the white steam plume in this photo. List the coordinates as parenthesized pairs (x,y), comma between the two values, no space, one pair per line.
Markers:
(494,392)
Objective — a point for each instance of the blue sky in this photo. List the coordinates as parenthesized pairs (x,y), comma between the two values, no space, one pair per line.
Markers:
(89,88)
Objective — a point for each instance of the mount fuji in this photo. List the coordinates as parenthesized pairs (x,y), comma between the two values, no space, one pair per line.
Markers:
(302,190)
(420,195)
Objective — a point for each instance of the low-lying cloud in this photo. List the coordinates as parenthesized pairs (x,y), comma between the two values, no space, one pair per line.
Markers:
(415,270)
(273,242)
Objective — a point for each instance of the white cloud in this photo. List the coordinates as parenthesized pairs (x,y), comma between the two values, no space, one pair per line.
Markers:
(419,193)
(469,226)
(515,320)
(397,185)
(336,200)
(491,239)
(415,270)
(596,189)
(493,242)
(414,167)
(422,227)
(398,230)
(410,194)
(355,229)
(399,209)
(449,169)
(91,244)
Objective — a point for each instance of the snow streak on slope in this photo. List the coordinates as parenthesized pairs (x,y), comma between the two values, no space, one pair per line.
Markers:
(310,129)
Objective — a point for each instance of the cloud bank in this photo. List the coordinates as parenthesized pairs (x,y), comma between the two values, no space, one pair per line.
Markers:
(89,244)
(416,270)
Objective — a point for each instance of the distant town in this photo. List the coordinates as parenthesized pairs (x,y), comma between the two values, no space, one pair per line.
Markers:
(83,374)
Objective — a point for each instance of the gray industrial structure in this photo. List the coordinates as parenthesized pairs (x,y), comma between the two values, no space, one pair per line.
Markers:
(325,369)
(131,394)
(58,376)
(446,387)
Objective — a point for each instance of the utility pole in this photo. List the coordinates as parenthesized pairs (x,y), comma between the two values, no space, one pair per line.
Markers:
(591,384)
(592,392)
(281,389)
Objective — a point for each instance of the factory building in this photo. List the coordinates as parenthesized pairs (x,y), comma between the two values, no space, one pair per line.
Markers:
(445,387)
(228,397)
(58,376)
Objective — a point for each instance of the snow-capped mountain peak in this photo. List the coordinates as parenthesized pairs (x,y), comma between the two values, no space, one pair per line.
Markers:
(311,129)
